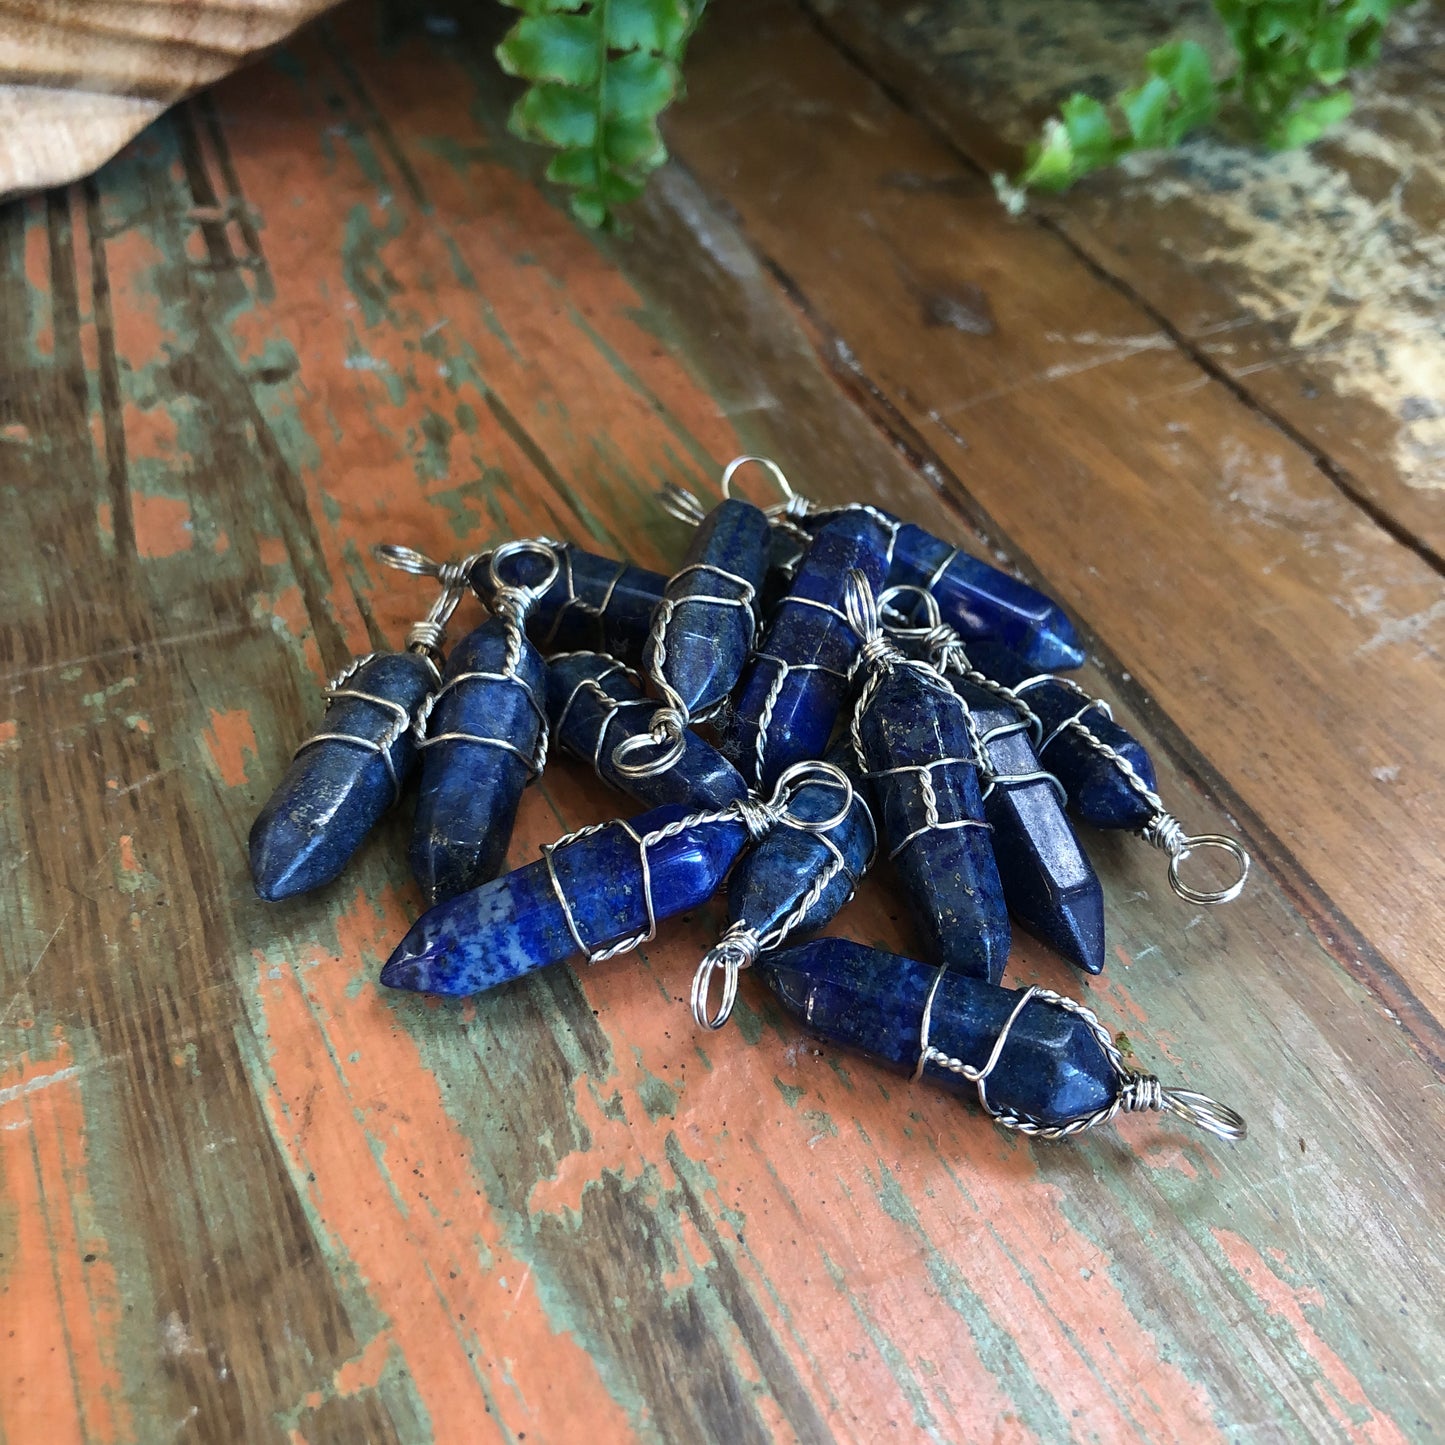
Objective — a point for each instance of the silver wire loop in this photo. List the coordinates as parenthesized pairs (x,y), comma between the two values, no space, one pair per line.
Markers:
(418,564)
(1205,1113)
(666,740)
(523,547)
(678,502)
(736,950)
(425,637)
(1165,833)
(791,499)
(792,781)
(903,627)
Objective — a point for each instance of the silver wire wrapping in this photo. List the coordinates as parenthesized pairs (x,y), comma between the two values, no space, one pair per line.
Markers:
(757,815)
(424,639)
(336,689)
(739,946)
(878,656)
(571,602)
(1137,1091)
(1162,831)
(511,603)
(944,648)
(669,722)
(610,706)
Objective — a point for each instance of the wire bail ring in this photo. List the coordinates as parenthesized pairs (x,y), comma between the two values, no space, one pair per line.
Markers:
(426,636)
(532,592)
(667,734)
(790,508)
(678,502)
(1205,1113)
(736,950)
(1200,842)
(792,781)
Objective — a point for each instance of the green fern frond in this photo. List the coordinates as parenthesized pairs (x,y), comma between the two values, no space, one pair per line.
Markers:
(600,73)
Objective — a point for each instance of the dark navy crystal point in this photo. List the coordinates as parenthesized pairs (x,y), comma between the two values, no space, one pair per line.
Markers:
(978,600)
(596,604)
(793,686)
(342,780)
(1035,1061)
(594,704)
(484,731)
(796,881)
(919,756)
(589,896)
(703,629)
(1104,769)
(1048,882)
(787,547)
(1052,1068)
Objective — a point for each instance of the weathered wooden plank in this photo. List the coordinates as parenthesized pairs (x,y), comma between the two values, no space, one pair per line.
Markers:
(559,1210)
(1298,661)
(1310,281)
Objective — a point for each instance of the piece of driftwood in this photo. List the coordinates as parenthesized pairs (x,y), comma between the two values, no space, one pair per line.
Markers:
(79,78)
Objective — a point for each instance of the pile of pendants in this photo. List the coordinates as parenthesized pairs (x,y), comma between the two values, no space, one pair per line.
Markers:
(870,690)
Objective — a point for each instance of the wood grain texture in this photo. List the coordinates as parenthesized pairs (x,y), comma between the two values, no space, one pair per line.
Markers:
(247,1197)
(1310,282)
(79,78)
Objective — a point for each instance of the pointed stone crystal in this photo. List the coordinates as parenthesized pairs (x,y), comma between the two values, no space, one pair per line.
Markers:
(1051,1070)
(792,687)
(484,729)
(594,705)
(918,755)
(595,604)
(1100,790)
(340,783)
(978,600)
(593,894)
(1048,882)
(711,608)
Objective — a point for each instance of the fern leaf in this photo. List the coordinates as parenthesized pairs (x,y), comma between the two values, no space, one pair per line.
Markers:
(599,74)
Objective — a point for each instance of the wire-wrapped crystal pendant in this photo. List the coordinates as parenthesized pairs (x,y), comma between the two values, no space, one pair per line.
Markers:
(483,734)
(702,630)
(343,778)
(915,743)
(1037,1062)
(1105,770)
(1048,882)
(974,598)
(594,604)
(793,686)
(794,882)
(595,893)
(596,704)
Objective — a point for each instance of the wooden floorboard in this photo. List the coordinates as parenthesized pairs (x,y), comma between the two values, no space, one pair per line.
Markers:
(246,1196)
(1289,638)
(1310,281)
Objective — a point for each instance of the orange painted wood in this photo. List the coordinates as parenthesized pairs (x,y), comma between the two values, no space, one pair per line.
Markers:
(246,1196)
